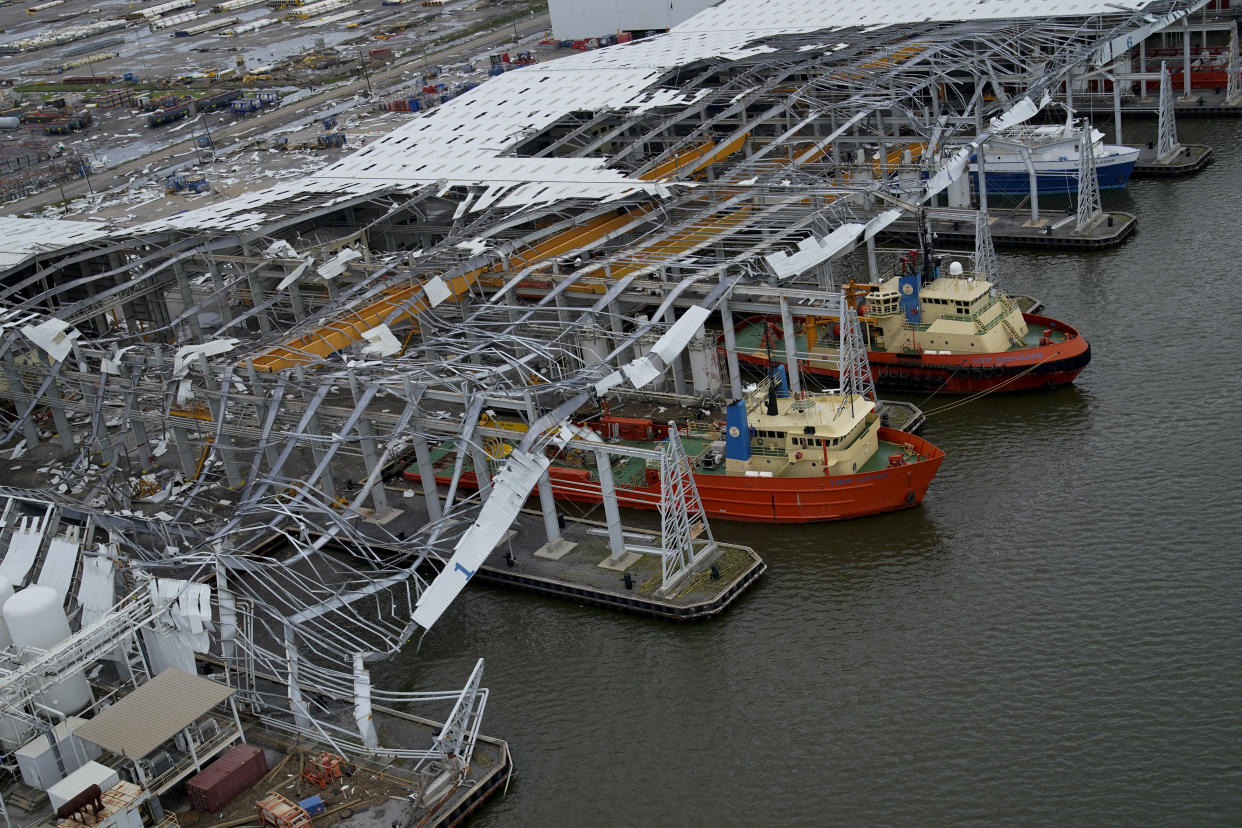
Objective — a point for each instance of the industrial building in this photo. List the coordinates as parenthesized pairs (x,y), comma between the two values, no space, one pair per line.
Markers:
(593,18)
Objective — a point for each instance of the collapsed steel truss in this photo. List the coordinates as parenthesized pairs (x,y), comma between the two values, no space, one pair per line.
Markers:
(230,403)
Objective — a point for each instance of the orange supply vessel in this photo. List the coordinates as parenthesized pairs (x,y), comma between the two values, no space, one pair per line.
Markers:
(778,458)
(931,333)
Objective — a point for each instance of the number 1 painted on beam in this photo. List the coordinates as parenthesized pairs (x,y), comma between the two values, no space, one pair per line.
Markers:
(469,573)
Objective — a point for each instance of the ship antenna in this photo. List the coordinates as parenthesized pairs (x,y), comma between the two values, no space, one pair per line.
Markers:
(773,409)
(927,242)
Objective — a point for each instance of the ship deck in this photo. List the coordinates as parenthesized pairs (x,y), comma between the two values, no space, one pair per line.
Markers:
(628,471)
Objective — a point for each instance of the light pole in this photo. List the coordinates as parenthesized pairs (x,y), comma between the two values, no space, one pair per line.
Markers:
(84,166)
(365,73)
(208,131)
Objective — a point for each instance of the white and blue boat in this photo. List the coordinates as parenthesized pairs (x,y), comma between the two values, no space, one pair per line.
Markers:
(1054,152)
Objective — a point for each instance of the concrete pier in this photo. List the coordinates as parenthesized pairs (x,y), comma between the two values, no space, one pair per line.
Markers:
(571,568)
(1190,160)
(1016,229)
(1202,103)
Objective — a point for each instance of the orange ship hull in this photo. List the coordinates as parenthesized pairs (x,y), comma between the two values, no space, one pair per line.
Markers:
(768,499)
(1025,369)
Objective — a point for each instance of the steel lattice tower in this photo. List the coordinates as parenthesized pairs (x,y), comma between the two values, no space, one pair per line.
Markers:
(1089,208)
(1234,88)
(1167,129)
(683,523)
(986,266)
(856,379)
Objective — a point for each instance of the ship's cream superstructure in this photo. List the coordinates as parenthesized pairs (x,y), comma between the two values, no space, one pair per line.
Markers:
(809,436)
(957,314)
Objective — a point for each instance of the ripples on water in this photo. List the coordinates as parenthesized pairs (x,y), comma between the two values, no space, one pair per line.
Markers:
(1052,638)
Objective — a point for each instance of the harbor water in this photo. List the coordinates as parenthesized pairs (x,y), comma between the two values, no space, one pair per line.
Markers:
(1052,638)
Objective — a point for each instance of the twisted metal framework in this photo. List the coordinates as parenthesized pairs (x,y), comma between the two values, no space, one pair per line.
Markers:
(225,408)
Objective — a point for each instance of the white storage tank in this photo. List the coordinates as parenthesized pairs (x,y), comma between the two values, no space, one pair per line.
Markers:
(594,343)
(704,366)
(35,618)
(12,733)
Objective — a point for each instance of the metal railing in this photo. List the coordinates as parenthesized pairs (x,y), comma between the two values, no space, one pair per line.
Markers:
(87,646)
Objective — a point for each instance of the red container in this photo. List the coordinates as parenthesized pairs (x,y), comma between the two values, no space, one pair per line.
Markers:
(224,779)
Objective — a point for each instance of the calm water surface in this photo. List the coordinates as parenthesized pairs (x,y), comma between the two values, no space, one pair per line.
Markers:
(1052,638)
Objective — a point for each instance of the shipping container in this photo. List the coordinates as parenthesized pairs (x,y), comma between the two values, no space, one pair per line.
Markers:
(226,778)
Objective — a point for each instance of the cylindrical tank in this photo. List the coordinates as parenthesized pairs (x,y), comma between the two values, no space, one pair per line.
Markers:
(594,344)
(704,366)
(35,618)
(12,735)
(9,122)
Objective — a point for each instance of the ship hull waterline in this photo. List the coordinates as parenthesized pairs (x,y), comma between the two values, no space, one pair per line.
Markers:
(767,499)
(1040,367)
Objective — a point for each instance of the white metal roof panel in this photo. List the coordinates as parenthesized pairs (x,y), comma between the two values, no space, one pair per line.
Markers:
(21,238)
(813,251)
(510,489)
(23,547)
(677,337)
(59,562)
(464,141)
